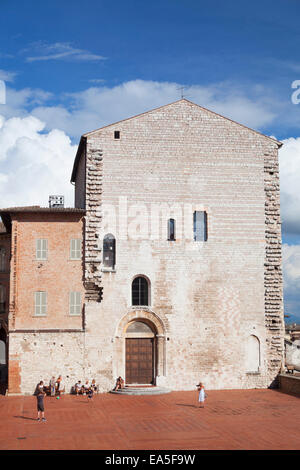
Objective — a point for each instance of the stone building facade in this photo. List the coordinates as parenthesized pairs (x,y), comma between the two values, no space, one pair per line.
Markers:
(181,265)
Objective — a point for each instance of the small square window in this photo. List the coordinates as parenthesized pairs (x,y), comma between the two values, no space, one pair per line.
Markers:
(117,134)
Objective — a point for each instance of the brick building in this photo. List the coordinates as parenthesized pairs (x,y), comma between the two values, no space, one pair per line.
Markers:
(180,278)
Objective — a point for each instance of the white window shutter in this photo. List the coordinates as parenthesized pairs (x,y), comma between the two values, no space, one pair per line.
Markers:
(75,303)
(75,248)
(42,249)
(40,303)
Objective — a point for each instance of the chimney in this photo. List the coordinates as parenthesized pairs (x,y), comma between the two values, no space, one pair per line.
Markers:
(56,201)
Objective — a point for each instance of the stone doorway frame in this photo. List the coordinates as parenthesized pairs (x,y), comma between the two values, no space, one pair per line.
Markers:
(156,324)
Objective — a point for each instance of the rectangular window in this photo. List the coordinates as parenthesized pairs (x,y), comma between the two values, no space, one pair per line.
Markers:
(40,303)
(200,226)
(75,248)
(41,249)
(75,303)
(117,134)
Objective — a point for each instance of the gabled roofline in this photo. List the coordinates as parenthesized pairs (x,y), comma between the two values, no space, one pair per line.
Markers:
(84,136)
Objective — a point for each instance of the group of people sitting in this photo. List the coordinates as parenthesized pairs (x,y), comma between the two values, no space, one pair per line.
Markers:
(55,387)
(84,389)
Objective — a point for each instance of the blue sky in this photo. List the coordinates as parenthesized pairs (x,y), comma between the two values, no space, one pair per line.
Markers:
(73,66)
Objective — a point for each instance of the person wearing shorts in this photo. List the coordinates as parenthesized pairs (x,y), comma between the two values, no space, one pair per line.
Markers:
(40,402)
(90,394)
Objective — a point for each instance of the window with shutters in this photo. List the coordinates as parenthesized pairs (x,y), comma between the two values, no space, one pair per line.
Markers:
(75,248)
(75,303)
(40,303)
(140,291)
(109,251)
(200,226)
(2,259)
(171,230)
(41,249)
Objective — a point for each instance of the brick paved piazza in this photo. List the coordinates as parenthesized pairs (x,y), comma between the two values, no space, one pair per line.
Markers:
(232,419)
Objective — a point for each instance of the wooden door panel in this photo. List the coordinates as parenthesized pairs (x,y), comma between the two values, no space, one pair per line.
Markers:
(139,360)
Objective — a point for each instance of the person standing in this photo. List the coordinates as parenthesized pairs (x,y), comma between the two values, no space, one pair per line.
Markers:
(40,402)
(90,394)
(58,384)
(202,395)
(52,386)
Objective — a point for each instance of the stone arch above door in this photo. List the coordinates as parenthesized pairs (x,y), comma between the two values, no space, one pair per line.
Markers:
(141,315)
(157,327)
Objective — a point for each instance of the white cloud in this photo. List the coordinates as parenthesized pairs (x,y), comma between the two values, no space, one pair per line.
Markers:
(289,162)
(77,113)
(33,164)
(291,278)
(7,76)
(98,106)
(59,51)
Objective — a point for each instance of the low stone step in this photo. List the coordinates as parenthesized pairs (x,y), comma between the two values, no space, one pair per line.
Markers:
(141,391)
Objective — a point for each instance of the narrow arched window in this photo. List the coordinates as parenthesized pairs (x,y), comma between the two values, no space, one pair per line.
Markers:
(2,259)
(140,291)
(109,251)
(171,230)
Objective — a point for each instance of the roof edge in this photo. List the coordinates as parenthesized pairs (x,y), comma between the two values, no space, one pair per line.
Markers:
(192,103)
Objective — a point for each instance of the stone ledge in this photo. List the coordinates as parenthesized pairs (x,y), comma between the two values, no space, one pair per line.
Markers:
(289,384)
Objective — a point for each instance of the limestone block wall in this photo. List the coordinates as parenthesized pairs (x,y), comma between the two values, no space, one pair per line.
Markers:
(209,296)
(38,356)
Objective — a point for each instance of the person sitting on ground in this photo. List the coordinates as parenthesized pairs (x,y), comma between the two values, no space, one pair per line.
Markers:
(94,386)
(119,383)
(86,386)
(78,387)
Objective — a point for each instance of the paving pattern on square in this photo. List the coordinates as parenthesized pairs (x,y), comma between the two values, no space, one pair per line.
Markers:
(231,419)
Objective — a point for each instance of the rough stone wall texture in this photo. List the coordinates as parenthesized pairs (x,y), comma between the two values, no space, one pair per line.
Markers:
(40,355)
(209,296)
(289,384)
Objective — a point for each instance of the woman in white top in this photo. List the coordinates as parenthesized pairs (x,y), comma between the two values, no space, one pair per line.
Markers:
(202,395)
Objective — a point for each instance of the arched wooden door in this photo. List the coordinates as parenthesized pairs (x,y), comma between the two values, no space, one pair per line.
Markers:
(140,354)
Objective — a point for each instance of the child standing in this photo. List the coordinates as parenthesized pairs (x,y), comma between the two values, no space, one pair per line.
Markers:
(90,393)
(40,402)
(202,395)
